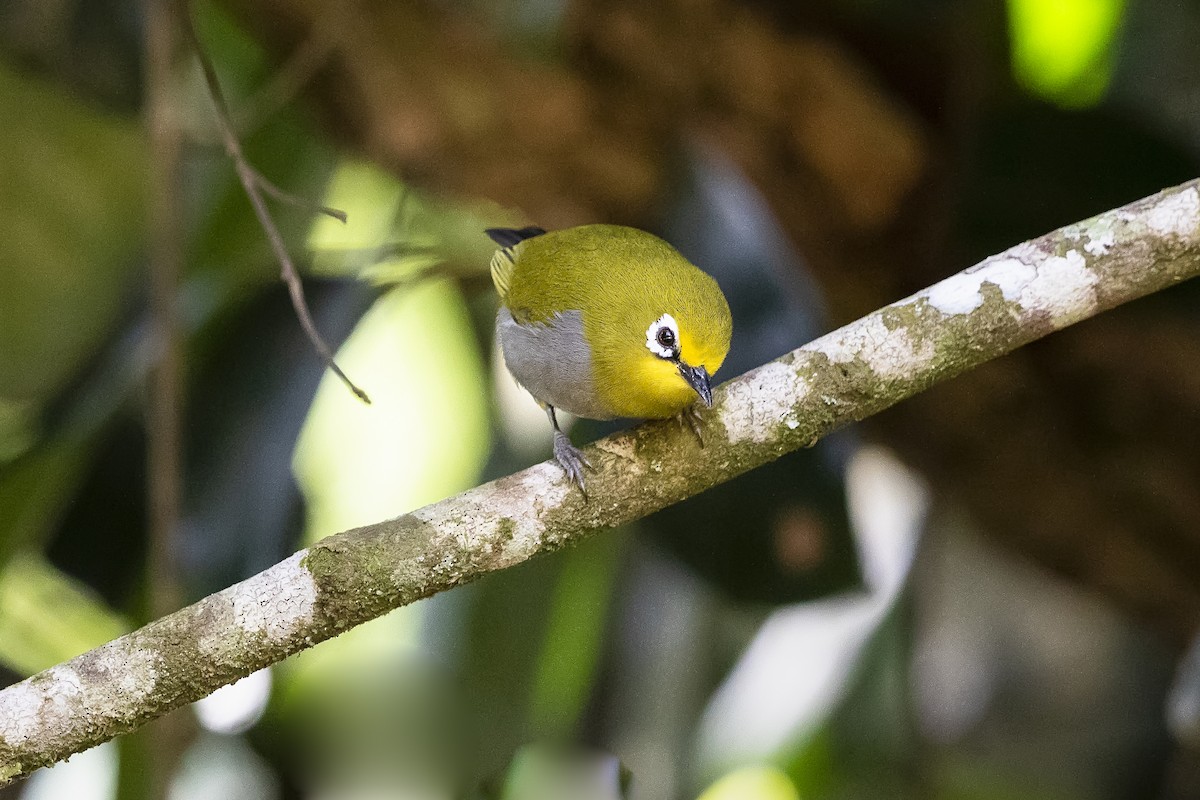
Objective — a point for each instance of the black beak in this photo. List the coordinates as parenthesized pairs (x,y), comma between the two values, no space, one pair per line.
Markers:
(698,378)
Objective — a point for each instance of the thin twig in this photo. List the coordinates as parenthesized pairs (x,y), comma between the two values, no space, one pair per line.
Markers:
(255,185)
(149,765)
(296,200)
(164,412)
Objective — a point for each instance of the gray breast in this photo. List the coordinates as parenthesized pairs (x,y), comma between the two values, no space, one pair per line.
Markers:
(552,361)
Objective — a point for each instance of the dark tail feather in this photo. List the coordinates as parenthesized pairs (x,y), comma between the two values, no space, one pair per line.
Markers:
(507,237)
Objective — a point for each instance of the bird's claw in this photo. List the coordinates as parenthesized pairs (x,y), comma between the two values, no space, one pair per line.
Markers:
(571,459)
(690,416)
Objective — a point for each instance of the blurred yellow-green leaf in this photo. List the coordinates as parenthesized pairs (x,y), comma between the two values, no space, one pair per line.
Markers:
(752,783)
(358,463)
(47,617)
(1063,50)
(394,232)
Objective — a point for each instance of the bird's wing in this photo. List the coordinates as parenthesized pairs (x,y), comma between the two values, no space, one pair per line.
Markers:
(504,259)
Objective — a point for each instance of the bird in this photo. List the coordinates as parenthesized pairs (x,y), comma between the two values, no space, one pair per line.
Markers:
(606,322)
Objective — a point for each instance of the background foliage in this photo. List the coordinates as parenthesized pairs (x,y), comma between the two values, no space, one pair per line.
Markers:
(982,594)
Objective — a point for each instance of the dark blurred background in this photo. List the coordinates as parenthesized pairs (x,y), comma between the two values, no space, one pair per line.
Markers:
(988,592)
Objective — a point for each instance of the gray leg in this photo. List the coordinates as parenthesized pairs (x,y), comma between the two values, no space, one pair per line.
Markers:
(568,456)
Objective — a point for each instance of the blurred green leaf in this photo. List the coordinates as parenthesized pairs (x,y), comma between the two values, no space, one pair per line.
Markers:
(71,193)
(34,490)
(813,764)
(47,617)
(569,659)
(17,428)
(541,772)
(502,630)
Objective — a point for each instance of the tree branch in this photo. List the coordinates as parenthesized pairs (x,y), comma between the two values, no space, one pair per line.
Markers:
(349,578)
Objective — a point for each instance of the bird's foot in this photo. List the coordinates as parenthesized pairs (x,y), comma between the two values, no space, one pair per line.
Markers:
(571,460)
(690,417)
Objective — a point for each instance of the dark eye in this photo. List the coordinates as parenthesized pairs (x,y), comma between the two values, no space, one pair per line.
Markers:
(666,337)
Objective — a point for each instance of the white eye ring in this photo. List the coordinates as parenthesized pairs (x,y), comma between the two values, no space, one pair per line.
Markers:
(665,322)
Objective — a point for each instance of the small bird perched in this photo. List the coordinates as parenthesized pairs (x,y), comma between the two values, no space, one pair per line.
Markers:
(606,321)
